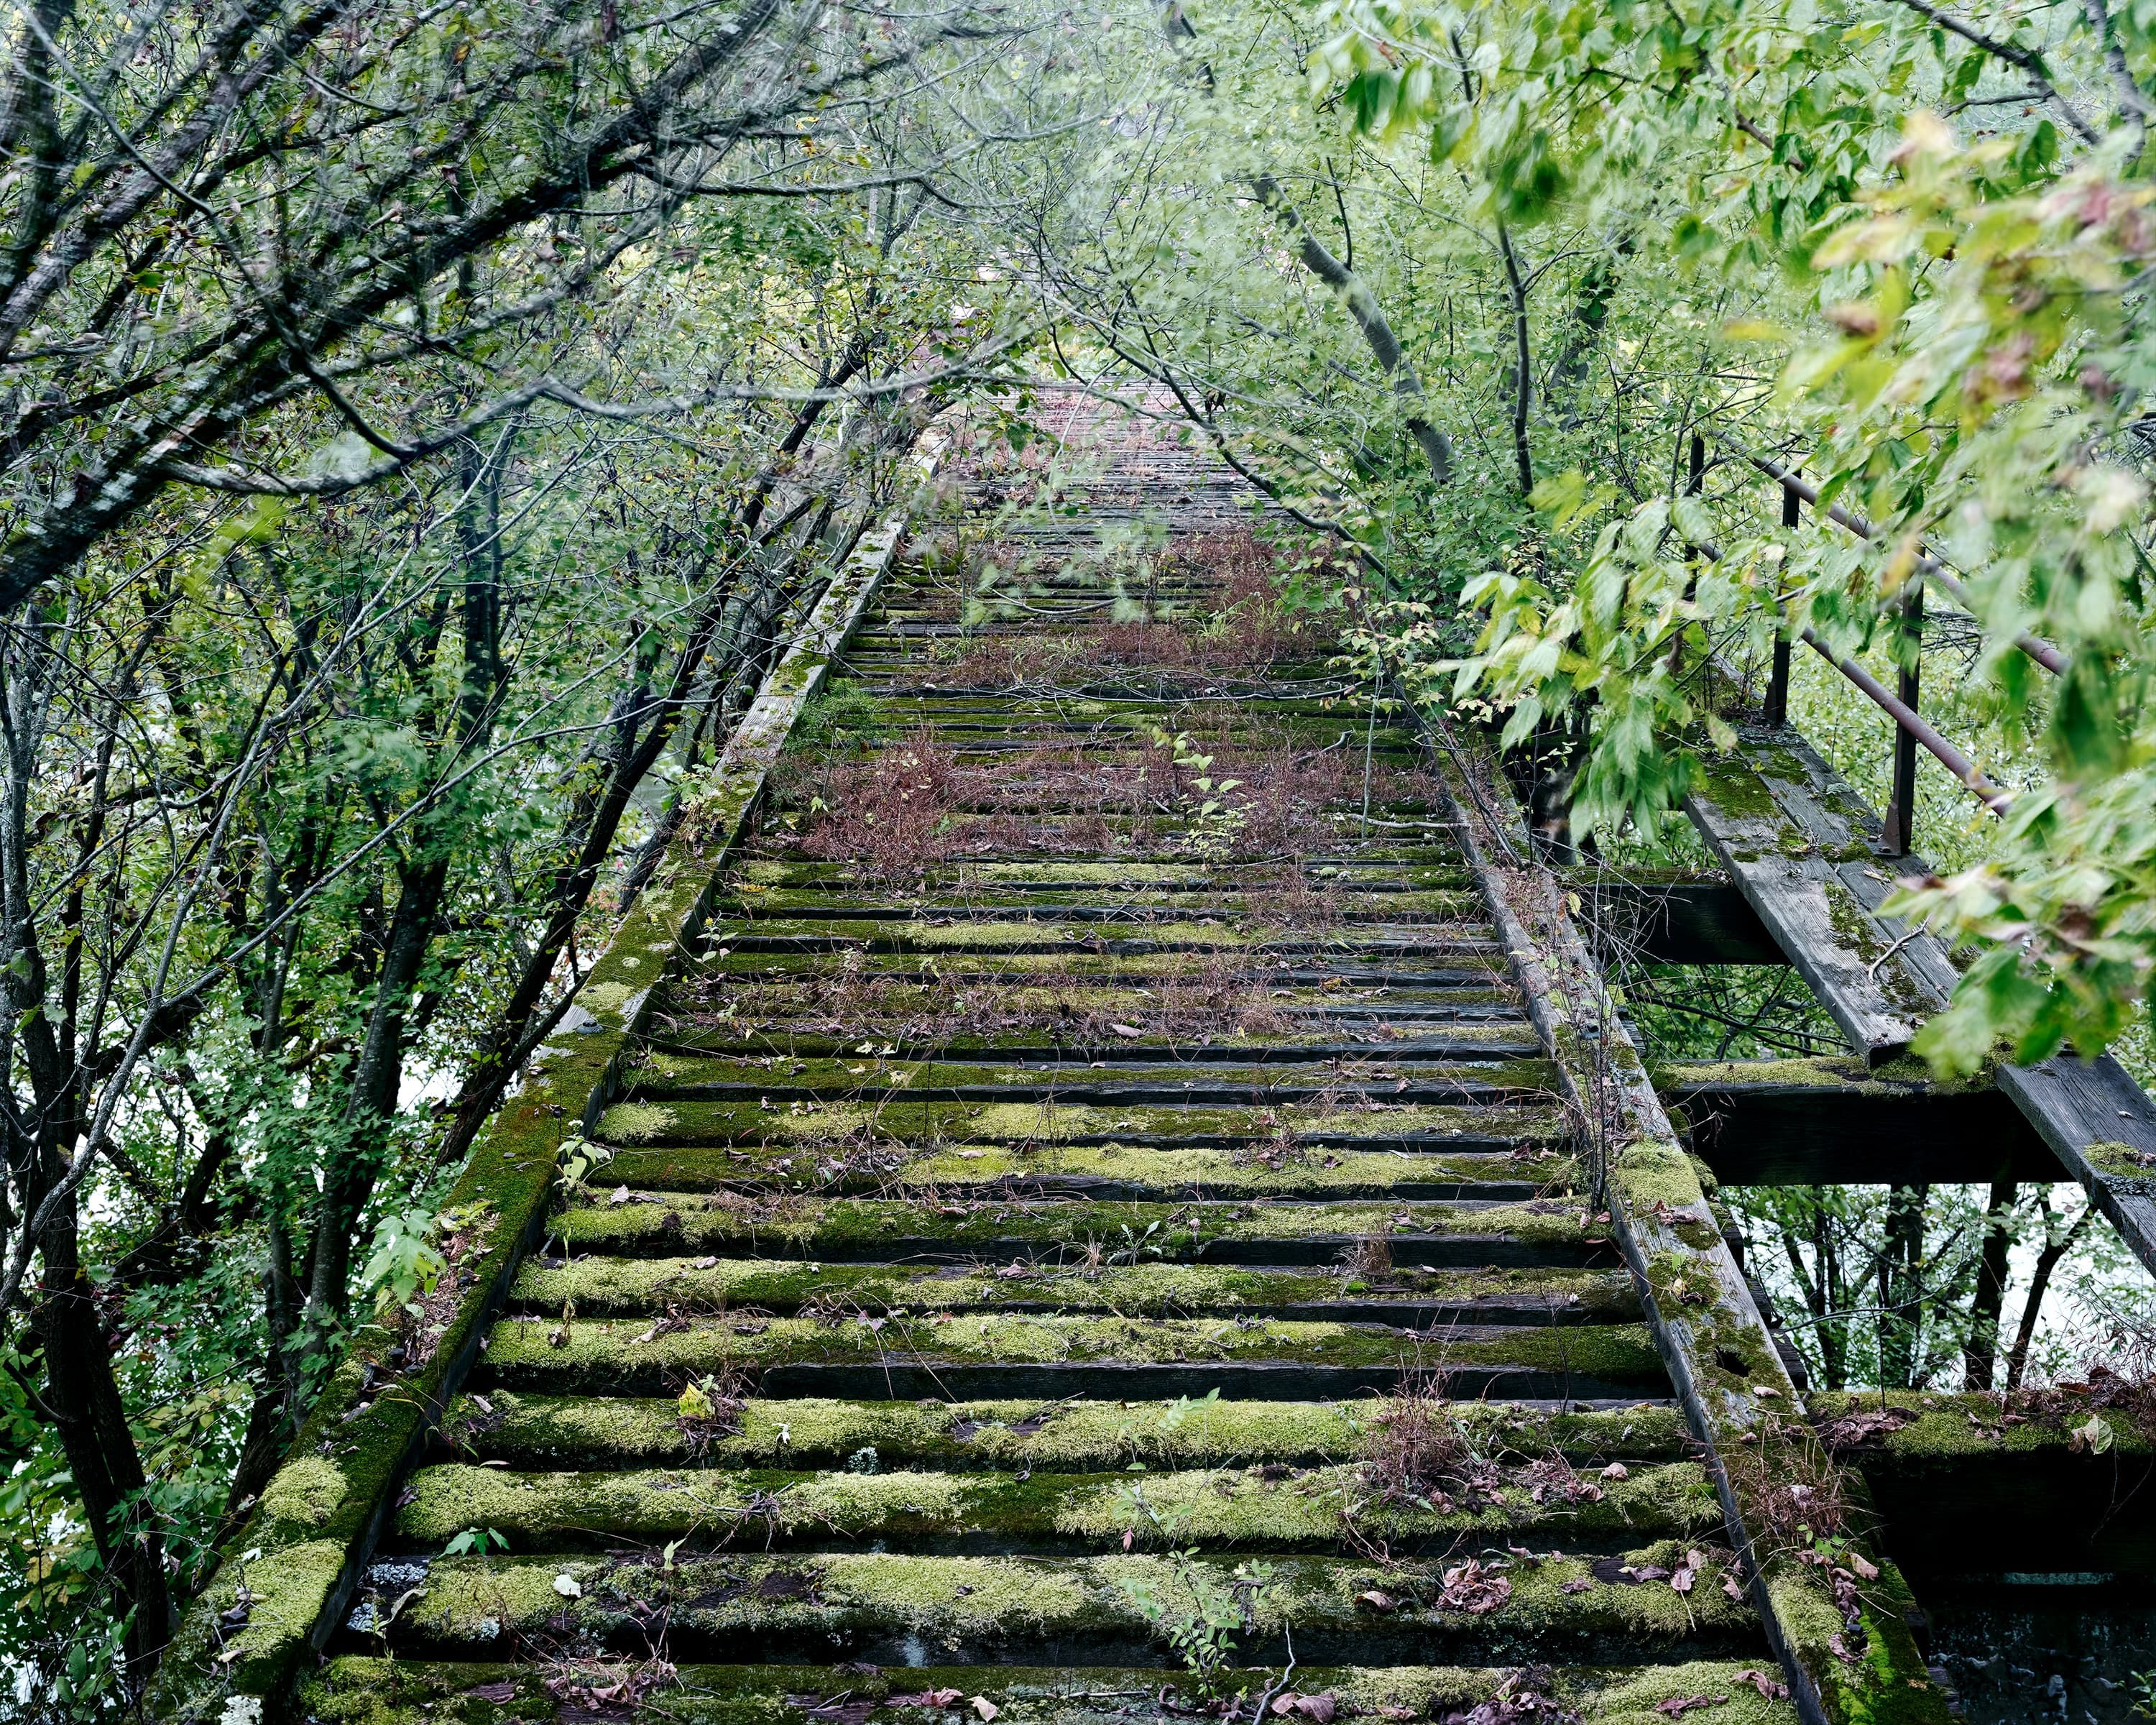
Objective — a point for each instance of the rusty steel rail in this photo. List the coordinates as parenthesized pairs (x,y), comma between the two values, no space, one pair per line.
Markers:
(1995,796)
(1932,570)
(1900,707)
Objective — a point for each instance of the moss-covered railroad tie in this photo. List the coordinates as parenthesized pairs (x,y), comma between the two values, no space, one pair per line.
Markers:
(1096,1135)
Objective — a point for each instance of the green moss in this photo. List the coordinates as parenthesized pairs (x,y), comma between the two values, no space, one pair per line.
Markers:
(1071,1437)
(1731,787)
(683,1223)
(376,1691)
(635,1123)
(2121,1165)
(1949,1429)
(603,1286)
(1316,1171)
(304,1492)
(600,997)
(598,1356)
(958,1602)
(287,1589)
(1225,1509)
(1648,1173)
(810,1122)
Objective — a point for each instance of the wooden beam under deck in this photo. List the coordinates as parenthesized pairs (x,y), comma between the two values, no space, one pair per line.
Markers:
(1672,917)
(1832,1122)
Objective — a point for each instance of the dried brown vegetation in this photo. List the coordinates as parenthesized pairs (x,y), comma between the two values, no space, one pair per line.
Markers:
(1799,1499)
(1415,1453)
(917,805)
(1244,628)
(1216,996)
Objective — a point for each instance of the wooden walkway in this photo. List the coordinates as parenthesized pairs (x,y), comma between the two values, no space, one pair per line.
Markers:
(1133,1164)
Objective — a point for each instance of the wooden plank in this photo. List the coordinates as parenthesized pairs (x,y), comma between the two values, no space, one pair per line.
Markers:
(1833,1122)
(1803,900)
(1736,1392)
(2098,1121)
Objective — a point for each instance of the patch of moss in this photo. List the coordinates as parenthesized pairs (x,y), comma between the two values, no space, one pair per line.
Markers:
(598,1356)
(958,1602)
(305,1492)
(353,1691)
(635,1123)
(809,1120)
(543,1431)
(1648,1173)
(605,1286)
(678,1223)
(1225,1509)
(968,1166)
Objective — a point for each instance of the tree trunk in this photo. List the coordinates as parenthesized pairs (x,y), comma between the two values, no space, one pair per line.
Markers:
(1369,318)
(377,1078)
(1523,375)
(2047,1261)
(1980,1356)
(1902,1288)
(83,1398)
(1590,311)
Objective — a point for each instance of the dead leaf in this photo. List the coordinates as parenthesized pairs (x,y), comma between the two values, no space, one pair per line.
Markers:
(496,1692)
(1681,1580)
(986,1708)
(1126,1029)
(1580,1586)
(1685,1703)
(1862,1567)
(2095,1436)
(1472,1588)
(1616,1470)
(929,1698)
(1769,1688)
(1376,1601)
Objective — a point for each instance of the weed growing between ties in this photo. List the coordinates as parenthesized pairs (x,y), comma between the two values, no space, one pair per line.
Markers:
(1798,1507)
(1215,995)
(1414,1454)
(1198,1614)
(1141,620)
(917,805)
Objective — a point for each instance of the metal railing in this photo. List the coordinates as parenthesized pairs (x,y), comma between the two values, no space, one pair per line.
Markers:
(1901,704)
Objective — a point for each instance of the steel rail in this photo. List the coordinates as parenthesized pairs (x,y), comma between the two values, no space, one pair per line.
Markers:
(1997,797)
(1932,570)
